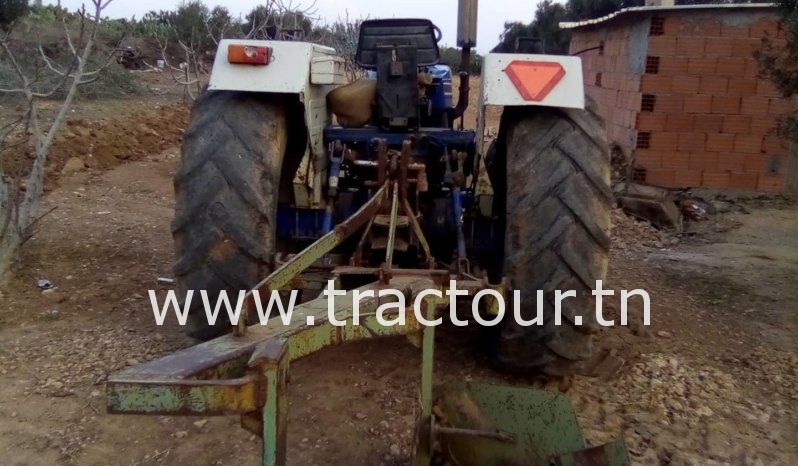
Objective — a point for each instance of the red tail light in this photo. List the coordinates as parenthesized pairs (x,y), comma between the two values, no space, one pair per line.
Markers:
(249,54)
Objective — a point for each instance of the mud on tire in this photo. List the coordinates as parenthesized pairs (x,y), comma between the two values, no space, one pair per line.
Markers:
(553,167)
(226,189)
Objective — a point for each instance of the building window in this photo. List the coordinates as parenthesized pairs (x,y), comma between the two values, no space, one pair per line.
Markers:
(598,79)
(601,48)
(652,65)
(657,26)
(643,140)
(647,104)
(639,174)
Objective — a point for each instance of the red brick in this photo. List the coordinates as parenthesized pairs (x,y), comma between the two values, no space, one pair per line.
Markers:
(688,178)
(680,122)
(743,181)
(689,46)
(699,28)
(662,140)
(671,26)
(725,104)
(698,103)
(731,66)
(701,66)
(731,161)
(655,83)
(714,85)
(763,125)
(673,66)
(730,30)
(751,69)
(720,142)
(678,160)
(709,123)
(774,144)
(711,179)
(648,121)
(661,177)
(754,105)
(742,86)
(692,142)
(754,163)
(764,27)
(703,160)
(770,183)
(661,45)
(738,124)
(670,103)
(766,88)
(718,47)
(778,107)
(684,84)
(748,143)
(648,158)
(746,47)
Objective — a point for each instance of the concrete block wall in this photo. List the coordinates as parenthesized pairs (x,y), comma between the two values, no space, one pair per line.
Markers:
(697,114)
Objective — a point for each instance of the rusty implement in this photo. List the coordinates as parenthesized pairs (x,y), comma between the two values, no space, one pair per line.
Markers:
(247,374)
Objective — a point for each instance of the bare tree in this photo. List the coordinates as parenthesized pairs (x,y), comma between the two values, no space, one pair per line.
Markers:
(19,207)
(342,35)
(188,73)
(280,20)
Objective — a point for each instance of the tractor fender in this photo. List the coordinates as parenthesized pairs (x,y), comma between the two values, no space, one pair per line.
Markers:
(309,71)
(516,79)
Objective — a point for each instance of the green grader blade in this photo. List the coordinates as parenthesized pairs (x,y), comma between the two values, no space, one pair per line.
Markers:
(483,424)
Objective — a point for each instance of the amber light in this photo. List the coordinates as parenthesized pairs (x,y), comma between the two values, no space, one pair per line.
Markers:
(249,54)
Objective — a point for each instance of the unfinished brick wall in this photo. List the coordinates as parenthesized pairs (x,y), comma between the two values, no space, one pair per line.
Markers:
(611,79)
(700,115)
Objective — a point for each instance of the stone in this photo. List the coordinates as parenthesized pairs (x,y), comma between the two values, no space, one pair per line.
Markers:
(73,165)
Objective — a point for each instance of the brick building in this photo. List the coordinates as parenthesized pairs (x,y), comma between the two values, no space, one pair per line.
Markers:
(678,88)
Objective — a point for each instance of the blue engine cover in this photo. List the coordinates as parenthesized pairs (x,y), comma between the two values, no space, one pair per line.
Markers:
(441,95)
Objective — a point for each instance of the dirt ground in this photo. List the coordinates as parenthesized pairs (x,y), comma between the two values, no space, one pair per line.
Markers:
(712,381)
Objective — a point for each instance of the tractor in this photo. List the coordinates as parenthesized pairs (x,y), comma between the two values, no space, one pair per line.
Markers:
(292,176)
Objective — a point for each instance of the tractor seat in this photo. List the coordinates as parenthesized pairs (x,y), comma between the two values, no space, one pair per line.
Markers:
(419,33)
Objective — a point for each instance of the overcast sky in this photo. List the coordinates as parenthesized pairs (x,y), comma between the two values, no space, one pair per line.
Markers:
(492,13)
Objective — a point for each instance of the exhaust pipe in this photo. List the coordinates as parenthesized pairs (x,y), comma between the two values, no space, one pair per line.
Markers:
(466,39)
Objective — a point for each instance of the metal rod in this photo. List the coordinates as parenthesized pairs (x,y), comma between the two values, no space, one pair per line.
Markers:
(419,233)
(392,227)
(497,434)
(357,256)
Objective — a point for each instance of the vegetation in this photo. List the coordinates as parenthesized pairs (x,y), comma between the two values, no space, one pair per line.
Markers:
(451,56)
(21,192)
(11,10)
(778,60)
(544,35)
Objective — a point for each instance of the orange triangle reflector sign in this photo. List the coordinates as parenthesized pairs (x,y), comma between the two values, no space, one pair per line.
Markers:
(534,79)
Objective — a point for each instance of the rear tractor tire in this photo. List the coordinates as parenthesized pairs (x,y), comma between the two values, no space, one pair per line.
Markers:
(555,171)
(226,191)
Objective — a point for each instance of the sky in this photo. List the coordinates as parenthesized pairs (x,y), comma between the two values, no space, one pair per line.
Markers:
(490,23)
